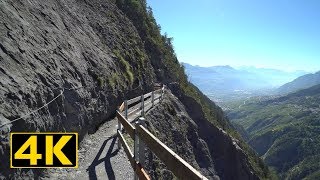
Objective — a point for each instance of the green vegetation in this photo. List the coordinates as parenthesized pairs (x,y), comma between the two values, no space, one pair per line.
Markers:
(285,131)
(100,81)
(125,65)
(113,80)
(158,47)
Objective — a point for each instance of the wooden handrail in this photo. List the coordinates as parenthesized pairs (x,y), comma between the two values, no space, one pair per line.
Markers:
(157,87)
(174,162)
(126,149)
(156,91)
(137,99)
(141,172)
(157,97)
(147,95)
(121,108)
(126,125)
(134,111)
(134,100)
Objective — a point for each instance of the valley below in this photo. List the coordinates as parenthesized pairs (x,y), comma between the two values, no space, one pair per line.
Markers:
(281,123)
(284,131)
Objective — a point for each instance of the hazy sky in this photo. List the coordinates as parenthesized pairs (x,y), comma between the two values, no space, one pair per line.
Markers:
(282,34)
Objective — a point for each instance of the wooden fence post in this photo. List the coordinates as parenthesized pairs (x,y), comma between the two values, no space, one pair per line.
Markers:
(142,105)
(162,91)
(136,151)
(119,128)
(152,98)
(126,109)
(141,121)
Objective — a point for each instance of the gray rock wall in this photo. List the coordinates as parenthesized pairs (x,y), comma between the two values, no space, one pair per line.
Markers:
(74,46)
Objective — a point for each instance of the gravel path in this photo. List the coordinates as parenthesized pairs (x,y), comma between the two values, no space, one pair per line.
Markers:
(99,158)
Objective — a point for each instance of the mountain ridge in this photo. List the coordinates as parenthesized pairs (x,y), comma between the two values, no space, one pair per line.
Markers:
(301,82)
(224,83)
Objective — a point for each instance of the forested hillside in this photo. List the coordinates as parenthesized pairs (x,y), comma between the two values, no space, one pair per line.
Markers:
(285,131)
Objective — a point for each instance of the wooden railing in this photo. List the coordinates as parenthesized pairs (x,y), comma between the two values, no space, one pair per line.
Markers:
(142,137)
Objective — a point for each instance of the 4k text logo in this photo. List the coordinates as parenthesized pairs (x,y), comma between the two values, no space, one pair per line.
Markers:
(44,150)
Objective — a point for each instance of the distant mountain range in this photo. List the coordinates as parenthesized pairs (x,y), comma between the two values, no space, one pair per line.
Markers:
(222,78)
(285,131)
(227,82)
(301,82)
(274,76)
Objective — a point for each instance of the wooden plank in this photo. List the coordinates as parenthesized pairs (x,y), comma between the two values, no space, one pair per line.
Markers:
(156,101)
(126,149)
(126,125)
(141,172)
(175,163)
(157,87)
(134,111)
(147,95)
(147,107)
(158,91)
(157,97)
(121,108)
(134,100)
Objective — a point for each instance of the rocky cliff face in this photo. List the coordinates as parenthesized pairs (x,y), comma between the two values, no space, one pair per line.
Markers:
(90,55)
(51,46)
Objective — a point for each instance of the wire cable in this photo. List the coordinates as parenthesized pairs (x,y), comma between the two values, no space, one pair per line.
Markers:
(62,91)
(26,115)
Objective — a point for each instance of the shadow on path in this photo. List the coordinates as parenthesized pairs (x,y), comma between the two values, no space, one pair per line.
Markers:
(108,167)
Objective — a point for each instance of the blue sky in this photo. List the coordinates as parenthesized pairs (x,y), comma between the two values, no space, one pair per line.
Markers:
(280,34)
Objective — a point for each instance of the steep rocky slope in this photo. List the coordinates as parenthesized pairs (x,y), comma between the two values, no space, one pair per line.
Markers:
(90,55)
(183,127)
